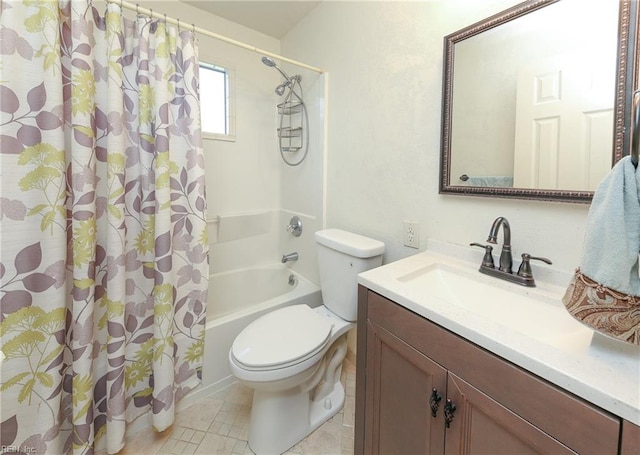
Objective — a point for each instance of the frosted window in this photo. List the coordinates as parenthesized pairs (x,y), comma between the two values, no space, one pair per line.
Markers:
(215,102)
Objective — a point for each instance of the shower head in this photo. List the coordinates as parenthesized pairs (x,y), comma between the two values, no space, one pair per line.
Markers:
(270,63)
(280,88)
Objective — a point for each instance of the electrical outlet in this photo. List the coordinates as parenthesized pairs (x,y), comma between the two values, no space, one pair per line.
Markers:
(411,234)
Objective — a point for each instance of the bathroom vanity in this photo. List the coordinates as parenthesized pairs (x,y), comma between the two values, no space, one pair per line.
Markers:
(436,374)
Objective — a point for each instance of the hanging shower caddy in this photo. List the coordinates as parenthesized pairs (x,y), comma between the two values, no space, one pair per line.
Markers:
(291,131)
(294,123)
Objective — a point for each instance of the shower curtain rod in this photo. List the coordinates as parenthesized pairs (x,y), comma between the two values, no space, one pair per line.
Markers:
(163,17)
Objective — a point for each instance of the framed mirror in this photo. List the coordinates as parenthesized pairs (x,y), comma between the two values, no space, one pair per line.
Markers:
(537,100)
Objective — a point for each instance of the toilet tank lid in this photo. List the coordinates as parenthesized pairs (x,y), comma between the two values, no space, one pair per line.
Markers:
(349,243)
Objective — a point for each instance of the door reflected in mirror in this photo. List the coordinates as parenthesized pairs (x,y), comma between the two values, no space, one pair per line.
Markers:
(535,100)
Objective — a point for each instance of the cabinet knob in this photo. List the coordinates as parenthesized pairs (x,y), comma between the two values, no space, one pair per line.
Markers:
(434,401)
(449,410)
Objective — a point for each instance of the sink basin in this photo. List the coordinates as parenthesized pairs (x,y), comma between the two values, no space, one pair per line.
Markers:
(523,310)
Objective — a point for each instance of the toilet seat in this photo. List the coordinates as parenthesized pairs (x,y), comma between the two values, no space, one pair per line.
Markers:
(282,338)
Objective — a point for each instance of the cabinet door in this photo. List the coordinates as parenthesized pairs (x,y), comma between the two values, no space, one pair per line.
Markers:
(481,425)
(400,383)
(630,439)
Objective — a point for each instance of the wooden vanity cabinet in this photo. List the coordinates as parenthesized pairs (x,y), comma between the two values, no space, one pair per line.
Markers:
(406,362)
(630,444)
(402,382)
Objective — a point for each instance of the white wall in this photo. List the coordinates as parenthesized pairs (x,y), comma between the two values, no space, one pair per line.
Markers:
(385,66)
(302,186)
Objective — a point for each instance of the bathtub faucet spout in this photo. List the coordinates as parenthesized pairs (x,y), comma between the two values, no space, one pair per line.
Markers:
(289,257)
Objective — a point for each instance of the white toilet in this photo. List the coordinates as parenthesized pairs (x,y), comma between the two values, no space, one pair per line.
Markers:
(293,356)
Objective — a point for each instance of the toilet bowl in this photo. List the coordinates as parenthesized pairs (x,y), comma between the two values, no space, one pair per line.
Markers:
(292,357)
(294,397)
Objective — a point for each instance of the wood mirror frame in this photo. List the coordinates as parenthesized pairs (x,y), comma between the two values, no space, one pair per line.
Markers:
(626,83)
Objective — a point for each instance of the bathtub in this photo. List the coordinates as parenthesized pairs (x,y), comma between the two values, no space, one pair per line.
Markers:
(237,298)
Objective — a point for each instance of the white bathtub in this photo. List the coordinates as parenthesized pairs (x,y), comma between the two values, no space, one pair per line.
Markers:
(236,298)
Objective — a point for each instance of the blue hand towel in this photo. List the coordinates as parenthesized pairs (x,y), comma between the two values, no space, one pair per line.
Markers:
(612,240)
(490,180)
(605,291)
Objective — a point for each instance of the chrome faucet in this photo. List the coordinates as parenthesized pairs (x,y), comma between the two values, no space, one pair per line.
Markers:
(289,257)
(506,261)
(504,270)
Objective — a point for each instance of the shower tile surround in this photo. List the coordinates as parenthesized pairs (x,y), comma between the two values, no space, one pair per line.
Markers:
(219,424)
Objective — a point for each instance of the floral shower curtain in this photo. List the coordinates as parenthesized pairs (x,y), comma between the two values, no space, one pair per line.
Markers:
(104,257)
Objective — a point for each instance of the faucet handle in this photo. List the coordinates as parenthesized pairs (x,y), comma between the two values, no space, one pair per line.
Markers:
(525,267)
(487,260)
(295,226)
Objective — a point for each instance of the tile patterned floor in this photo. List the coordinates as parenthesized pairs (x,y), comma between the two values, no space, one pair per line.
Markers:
(219,424)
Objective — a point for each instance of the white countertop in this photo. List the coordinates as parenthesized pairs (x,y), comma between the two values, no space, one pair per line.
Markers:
(601,370)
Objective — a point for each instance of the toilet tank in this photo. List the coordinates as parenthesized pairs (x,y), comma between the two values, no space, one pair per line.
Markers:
(342,256)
